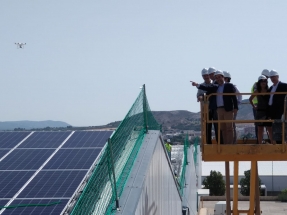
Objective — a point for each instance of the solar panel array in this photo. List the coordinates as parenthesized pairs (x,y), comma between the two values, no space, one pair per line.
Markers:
(40,171)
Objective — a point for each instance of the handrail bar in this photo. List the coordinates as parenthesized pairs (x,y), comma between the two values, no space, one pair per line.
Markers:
(243,121)
(205,116)
(256,94)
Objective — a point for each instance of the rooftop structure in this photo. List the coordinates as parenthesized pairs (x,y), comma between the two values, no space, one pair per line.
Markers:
(127,171)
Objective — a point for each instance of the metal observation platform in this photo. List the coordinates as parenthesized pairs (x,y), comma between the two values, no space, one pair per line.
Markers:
(243,151)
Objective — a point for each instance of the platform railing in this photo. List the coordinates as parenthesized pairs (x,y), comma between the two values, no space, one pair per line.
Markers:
(205,117)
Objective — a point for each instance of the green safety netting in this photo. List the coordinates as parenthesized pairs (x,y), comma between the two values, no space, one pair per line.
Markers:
(101,191)
(195,144)
(186,147)
(181,179)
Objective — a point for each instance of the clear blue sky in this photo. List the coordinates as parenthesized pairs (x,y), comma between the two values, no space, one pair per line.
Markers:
(85,60)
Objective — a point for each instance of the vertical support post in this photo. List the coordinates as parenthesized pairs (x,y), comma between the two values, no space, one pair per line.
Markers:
(114,175)
(203,124)
(272,178)
(218,144)
(227,179)
(145,109)
(283,125)
(252,187)
(283,136)
(235,188)
(206,124)
(257,193)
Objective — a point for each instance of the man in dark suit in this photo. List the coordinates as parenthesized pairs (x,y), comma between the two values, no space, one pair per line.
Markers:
(226,105)
(276,102)
(212,106)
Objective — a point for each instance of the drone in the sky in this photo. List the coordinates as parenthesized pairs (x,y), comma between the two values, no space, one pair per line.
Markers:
(20,45)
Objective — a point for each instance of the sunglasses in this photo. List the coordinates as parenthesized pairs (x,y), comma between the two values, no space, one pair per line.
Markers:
(264,80)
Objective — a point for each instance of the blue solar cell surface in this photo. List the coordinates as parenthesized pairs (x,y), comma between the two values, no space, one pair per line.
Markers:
(11,139)
(25,159)
(37,210)
(3,202)
(56,184)
(73,159)
(45,140)
(88,139)
(59,178)
(3,152)
(12,181)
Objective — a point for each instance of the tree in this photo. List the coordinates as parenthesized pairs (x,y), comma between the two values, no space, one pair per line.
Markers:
(245,184)
(283,196)
(215,183)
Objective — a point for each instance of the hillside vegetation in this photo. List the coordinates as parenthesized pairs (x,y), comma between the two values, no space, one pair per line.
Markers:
(177,119)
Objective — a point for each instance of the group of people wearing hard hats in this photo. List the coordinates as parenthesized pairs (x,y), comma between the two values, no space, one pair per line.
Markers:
(226,107)
(268,106)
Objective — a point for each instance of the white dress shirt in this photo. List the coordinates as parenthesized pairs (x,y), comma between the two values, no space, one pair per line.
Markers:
(219,98)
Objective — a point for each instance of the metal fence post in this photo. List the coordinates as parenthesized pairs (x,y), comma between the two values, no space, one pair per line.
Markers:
(145,109)
(113,171)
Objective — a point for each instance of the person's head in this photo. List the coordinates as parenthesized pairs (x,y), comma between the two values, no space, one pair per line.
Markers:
(266,73)
(168,140)
(262,83)
(274,76)
(227,76)
(211,72)
(219,77)
(205,75)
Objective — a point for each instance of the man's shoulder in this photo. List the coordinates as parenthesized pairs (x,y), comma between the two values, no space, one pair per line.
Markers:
(283,86)
(282,83)
(229,85)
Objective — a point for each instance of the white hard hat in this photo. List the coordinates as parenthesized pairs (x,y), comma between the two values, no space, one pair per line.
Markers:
(218,72)
(273,73)
(261,77)
(204,71)
(211,70)
(265,72)
(168,140)
(226,74)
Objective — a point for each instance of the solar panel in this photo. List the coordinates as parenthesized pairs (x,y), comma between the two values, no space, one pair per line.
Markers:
(73,159)
(25,159)
(3,202)
(11,139)
(88,139)
(53,206)
(45,140)
(12,181)
(3,152)
(53,184)
(45,168)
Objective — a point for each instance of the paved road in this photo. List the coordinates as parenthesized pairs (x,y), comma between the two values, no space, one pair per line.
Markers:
(267,208)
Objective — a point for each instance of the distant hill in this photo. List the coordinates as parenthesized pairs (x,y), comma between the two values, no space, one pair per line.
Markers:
(186,120)
(11,125)
(177,119)
(245,110)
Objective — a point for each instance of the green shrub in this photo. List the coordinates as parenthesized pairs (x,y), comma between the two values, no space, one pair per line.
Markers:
(283,196)
(245,184)
(215,183)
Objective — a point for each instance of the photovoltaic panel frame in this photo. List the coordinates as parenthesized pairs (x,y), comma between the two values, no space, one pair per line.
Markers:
(45,168)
